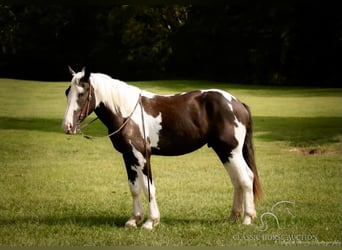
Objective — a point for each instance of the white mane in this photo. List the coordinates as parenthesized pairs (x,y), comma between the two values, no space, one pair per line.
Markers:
(115,94)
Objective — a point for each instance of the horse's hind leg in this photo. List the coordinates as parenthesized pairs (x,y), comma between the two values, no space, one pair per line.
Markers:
(237,209)
(229,150)
(242,180)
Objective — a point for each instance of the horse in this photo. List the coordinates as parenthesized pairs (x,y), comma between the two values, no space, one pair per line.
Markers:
(141,124)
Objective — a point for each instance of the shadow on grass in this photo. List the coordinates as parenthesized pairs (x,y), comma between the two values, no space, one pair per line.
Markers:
(98,220)
(298,131)
(80,220)
(186,221)
(45,125)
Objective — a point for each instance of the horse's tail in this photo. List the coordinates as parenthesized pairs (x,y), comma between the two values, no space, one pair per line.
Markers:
(248,154)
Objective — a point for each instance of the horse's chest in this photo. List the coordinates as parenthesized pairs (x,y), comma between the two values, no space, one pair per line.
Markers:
(140,128)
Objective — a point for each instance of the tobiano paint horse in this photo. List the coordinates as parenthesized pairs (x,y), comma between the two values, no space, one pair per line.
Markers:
(141,124)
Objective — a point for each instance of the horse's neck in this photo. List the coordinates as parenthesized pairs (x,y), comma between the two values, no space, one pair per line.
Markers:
(116,95)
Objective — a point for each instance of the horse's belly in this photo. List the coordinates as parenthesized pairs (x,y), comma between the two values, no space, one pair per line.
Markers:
(177,148)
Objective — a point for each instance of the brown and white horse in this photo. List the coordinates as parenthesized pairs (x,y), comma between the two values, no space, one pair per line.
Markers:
(141,124)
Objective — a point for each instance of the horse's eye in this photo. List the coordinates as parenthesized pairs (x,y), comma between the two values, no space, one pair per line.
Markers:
(80,95)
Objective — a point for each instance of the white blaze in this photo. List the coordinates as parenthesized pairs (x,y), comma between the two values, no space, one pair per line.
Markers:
(72,106)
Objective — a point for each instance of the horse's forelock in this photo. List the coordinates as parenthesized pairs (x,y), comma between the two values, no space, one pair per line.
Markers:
(77,78)
(81,77)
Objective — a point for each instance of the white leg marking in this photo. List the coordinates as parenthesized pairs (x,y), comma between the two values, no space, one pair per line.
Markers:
(242,178)
(154,215)
(138,213)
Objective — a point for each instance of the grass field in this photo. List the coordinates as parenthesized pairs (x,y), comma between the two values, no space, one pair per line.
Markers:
(60,190)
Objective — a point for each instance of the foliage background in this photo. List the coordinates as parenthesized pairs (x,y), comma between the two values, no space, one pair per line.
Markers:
(269,42)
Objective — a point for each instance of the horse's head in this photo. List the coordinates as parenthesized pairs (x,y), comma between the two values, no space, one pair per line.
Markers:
(80,101)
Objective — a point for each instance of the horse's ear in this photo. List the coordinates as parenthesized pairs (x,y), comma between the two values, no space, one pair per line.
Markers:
(86,74)
(72,72)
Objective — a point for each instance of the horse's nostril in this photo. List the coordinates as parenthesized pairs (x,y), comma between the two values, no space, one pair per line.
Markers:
(67,128)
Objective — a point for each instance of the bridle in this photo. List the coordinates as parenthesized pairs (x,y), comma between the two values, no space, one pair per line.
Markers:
(85,110)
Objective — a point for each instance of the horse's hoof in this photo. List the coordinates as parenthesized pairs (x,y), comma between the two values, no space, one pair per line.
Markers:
(247,220)
(232,219)
(131,224)
(134,221)
(150,224)
(234,216)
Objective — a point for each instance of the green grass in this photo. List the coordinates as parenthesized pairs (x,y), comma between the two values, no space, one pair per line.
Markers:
(64,190)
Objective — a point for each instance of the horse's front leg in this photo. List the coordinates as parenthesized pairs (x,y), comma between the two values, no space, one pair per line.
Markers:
(140,177)
(135,188)
(150,193)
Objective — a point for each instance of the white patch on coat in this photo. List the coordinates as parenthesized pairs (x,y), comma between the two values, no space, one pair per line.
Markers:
(152,125)
(139,156)
(153,128)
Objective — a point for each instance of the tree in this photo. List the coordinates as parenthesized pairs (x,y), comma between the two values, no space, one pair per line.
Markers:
(8,30)
(277,42)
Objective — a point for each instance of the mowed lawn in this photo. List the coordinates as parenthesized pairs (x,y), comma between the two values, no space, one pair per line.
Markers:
(57,189)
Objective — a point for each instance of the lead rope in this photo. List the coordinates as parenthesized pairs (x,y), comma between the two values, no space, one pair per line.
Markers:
(145,149)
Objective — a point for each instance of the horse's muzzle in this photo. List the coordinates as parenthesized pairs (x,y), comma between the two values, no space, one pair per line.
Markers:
(69,128)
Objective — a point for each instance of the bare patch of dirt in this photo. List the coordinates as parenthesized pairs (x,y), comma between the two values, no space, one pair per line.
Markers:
(313,151)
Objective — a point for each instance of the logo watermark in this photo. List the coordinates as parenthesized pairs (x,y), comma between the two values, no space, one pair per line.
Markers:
(273,215)
(276,237)
(272,224)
